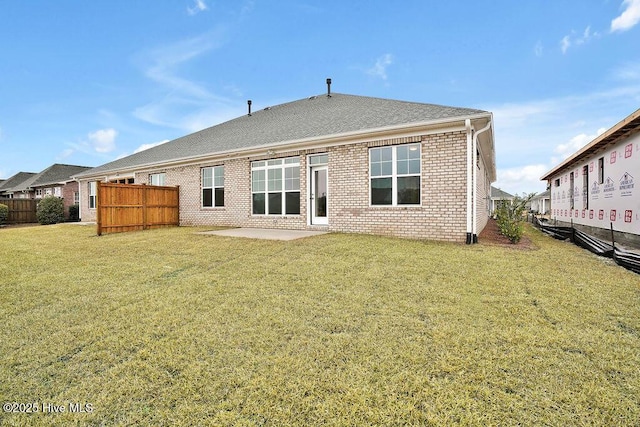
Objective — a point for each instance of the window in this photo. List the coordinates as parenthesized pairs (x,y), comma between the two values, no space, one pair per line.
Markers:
(93,190)
(48,191)
(76,198)
(57,191)
(557,182)
(601,170)
(38,193)
(123,181)
(395,175)
(213,187)
(275,187)
(571,181)
(157,179)
(585,187)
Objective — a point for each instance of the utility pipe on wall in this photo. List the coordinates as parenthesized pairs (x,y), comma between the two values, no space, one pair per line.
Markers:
(475,181)
(467,125)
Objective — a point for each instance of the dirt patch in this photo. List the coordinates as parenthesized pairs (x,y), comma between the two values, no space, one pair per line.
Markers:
(491,236)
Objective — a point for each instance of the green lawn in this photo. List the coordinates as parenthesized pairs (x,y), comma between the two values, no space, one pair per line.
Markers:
(165,327)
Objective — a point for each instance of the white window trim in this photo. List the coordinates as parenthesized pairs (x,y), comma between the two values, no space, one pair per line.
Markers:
(283,165)
(394,177)
(160,176)
(213,187)
(93,190)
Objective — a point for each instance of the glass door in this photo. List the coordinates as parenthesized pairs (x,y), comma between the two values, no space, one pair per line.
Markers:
(319,195)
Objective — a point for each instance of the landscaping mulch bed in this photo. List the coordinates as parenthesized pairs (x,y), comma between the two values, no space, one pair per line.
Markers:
(491,236)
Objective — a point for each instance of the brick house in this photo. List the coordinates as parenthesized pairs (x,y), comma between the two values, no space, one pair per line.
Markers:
(594,188)
(17,186)
(332,162)
(56,181)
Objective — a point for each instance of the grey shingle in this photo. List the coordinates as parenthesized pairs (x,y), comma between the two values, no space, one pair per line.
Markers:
(312,117)
(57,173)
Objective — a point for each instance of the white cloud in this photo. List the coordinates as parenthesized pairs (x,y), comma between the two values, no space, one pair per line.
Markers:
(541,132)
(571,40)
(538,49)
(629,17)
(574,144)
(521,179)
(103,140)
(150,145)
(199,6)
(565,44)
(184,99)
(380,67)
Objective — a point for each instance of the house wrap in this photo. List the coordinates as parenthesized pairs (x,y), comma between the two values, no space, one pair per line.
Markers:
(333,162)
(597,188)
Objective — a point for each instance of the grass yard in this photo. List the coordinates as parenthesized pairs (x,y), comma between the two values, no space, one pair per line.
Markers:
(165,327)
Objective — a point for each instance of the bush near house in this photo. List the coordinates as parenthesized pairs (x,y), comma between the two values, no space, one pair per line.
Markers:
(4,214)
(510,217)
(50,210)
(74,213)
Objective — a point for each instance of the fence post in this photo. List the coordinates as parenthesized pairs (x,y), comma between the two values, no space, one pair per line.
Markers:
(144,206)
(98,208)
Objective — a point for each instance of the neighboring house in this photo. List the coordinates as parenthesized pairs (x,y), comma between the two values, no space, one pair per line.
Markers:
(595,188)
(499,197)
(333,162)
(17,186)
(540,203)
(56,181)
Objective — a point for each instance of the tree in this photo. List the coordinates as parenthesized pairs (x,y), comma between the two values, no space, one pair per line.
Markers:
(511,216)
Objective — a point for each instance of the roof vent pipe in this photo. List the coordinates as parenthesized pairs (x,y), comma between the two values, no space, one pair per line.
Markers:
(328,88)
(249,105)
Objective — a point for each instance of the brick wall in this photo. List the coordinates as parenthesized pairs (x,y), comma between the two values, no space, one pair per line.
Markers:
(86,214)
(442,215)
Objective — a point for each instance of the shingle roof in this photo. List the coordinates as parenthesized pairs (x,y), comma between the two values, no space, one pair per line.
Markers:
(57,173)
(497,193)
(314,117)
(16,182)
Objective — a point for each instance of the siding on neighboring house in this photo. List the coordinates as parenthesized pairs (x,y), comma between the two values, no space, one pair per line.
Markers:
(604,193)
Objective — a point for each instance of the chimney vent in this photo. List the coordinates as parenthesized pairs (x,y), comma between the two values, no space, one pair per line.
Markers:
(329,88)
(249,105)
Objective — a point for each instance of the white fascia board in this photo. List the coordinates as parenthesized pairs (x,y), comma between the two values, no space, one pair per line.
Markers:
(346,138)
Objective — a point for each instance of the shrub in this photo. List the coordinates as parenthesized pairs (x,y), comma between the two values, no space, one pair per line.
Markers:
(50,210)
(74,213)
(4,214)
(510,217)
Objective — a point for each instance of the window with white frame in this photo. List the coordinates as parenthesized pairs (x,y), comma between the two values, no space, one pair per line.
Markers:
(213,187)
(76,198)
(157,179)
(38,193)
(395,175)
(48,191)
(93,191)
(57,191)
(275,186)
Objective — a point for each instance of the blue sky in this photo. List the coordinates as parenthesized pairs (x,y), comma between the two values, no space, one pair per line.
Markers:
(88,82)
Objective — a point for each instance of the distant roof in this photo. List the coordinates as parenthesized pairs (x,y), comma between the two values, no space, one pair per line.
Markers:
(57,174)
(543,195)
(627,126)
(309,118)
(16,182)
(497,193)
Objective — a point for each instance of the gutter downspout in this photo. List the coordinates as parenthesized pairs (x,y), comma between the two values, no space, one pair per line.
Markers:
(475,180)
(467,125)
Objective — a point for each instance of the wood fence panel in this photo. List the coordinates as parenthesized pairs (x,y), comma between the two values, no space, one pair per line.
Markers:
(21,211)
(130,207)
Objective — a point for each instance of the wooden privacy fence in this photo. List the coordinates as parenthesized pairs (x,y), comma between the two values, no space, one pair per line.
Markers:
(21,211)
(130,207)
